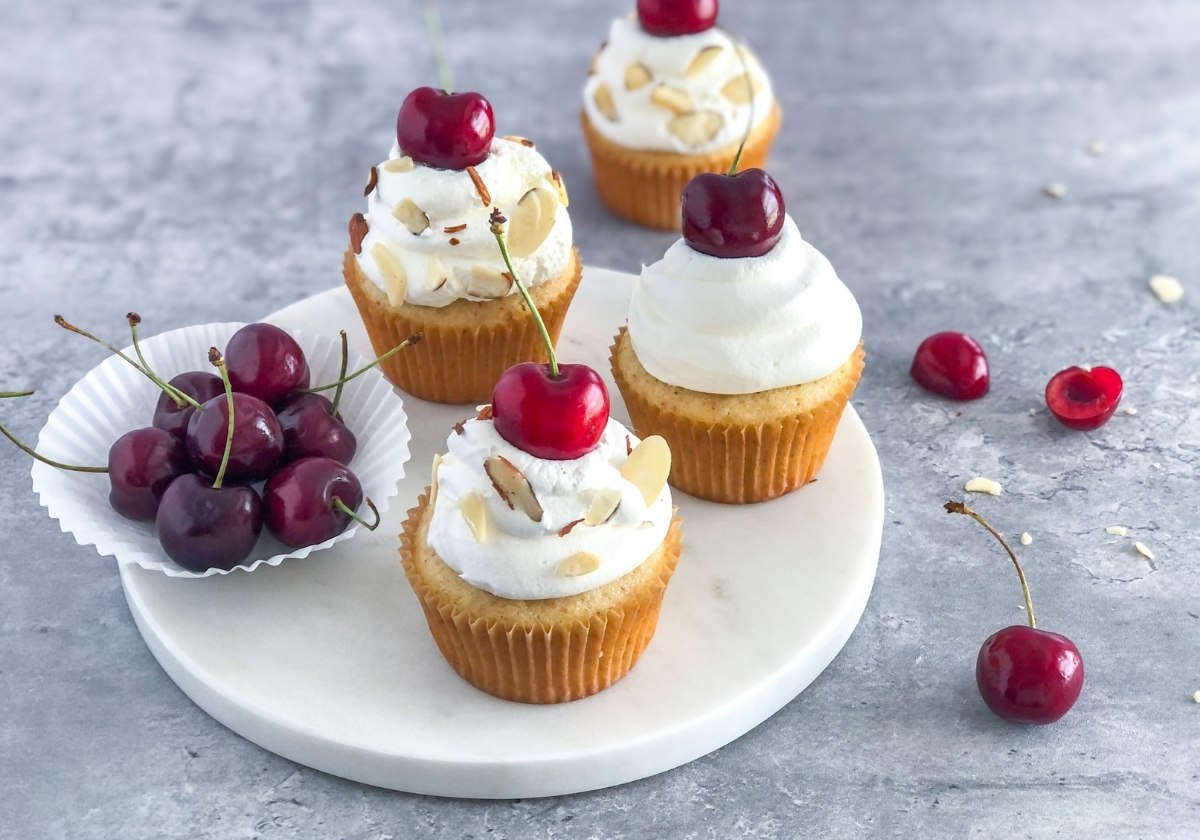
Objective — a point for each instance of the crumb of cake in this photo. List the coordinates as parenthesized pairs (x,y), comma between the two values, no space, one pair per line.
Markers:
(1026,538)
(1057,189)
(1116,530)
(1130,410)
(1096,148)
(979,484)
(1144,550)
(1167,288)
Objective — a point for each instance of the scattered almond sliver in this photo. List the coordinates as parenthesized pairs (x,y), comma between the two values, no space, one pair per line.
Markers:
(1026,538)
(1144,550)
(1096,148)
(1055,190)
(979,484)
(1196,696)
(1167,288)
(1116,530)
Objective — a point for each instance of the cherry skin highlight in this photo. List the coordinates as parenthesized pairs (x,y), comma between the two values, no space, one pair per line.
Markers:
(1029,676)
(1084,399)
(311,429)
(733,216)
(445,130)
(554,418)
(666,18)
(142,464)
(953,365)
(257,438)
(299,505)
(265,362)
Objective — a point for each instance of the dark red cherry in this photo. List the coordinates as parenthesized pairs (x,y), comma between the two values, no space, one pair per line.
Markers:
(257,438)
(445,130)
(311,430)
(198,385)
(141,465)
(733,216)
(265,362)
(201,527)
(951,364)
(299,501)
(1084,399)
(1029,676)
(665,18)
(554,418)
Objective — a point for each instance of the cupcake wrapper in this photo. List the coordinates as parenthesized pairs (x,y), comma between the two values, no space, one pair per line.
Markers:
(458,362)
(740,464)
(535,661)
(644,186)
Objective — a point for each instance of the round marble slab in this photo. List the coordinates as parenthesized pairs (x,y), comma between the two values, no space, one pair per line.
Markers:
(328,662)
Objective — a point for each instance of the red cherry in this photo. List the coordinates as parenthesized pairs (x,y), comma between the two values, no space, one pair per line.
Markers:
(732,216)
(142,464)
(1029,676)
(203,527)
(1084,399)
(312,429)
(200,386)
(266,362)
(951,364)
(299,501)
(445,130)
(665,18)
(555,418)
(257,438)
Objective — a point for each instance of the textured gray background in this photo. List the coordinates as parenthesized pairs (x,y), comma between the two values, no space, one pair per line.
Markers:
(198,161)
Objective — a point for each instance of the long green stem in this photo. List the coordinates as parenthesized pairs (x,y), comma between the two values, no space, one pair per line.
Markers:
(959,507)
(337,395)
(433,25)
(741,53)
(8,395)
(37,456)
(415,338)
(498,221)
(180,398)
(218,361)
(344,508)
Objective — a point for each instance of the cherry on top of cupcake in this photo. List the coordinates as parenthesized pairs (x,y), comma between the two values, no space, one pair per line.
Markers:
(732,215)
(445,130)
(667,18)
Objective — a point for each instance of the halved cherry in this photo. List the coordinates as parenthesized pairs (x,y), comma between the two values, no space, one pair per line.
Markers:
(1084,399)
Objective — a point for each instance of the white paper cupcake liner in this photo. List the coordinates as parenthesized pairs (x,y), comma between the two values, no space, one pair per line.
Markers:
(114,399)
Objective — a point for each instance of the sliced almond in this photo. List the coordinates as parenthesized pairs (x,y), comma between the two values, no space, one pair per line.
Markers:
(474,510)
(696,128)
(433,479)
(400,164)
(741,89)
(556,181)
(531,221)
(372,180)
(481,189)
(604,507)
(579,563)
(704,59)
(979,484)
(648,466)
(411,216)
(485,412)
(604,102)
(516,138)
(1144,550)
(455,228)
(435,274)
(569,527)
(513,487)
(673,99)
(1166,288)
(358,231)
(637,75)
(488,283)
(1116,530)
(394,278)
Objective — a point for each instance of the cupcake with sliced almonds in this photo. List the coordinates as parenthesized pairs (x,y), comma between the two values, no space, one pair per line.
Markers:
(670,95)
(422,258)
(541,552)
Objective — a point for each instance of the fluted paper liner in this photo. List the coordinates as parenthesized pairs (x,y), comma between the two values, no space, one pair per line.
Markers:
(732,462)
(467,344)
(645,186)
(546,651)
(114,399)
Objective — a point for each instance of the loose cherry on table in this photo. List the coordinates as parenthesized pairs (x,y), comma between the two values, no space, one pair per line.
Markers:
(1084,399)
(1024,674)
(445,130)
(951,364)
(666,18)
(312,500)
(730,216)
(265,362)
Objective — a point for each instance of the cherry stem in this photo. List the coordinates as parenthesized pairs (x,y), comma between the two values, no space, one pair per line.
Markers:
(415,338)
(498,221)
(218,361)
(8,395)
(37,456)
(433,25)
(344,508)
(959,507)
(181,399)
(741,54)
(337,395)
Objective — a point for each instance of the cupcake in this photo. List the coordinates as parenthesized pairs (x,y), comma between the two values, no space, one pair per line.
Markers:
(742,346)
(671,95)
(422,258)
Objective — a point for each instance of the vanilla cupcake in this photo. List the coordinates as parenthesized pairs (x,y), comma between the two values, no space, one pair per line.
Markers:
(743,365)
(423,259)
(660,108)
(541,580)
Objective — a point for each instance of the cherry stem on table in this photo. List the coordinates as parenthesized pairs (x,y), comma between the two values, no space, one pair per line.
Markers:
(437,43)
(8,395)
(37,456)
(415,338)
(737,159)
(181,399)
(344,508)
(337,395)
(498,221)
(218,361)
(959,507)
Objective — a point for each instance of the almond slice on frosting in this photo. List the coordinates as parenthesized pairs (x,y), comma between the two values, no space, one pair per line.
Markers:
(488,283)
(411,216)
(390,269)
(604,507)
(696,128)
(604,102)
(474,511)
(513,487)
(637,76)
(400,164)
(704,59)
(673,99)
(531,221)
(648,466)
(580,563)
(560,188)
(741,89)
(433,479)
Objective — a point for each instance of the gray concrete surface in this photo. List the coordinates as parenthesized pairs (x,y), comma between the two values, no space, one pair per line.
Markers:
(198,161)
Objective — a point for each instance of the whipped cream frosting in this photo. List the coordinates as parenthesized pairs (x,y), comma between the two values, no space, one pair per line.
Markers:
(432,226)
(740,326)
(686,93)
(519,557)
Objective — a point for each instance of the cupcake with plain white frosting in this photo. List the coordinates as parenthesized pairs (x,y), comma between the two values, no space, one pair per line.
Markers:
(743,364)
(670,95)
(422,258)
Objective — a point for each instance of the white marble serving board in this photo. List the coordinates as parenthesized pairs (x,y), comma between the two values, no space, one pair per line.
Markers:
(327,661)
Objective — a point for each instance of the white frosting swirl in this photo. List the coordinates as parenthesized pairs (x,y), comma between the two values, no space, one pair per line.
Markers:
(437,271)
(639,122)
(740,326)
(519,557)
